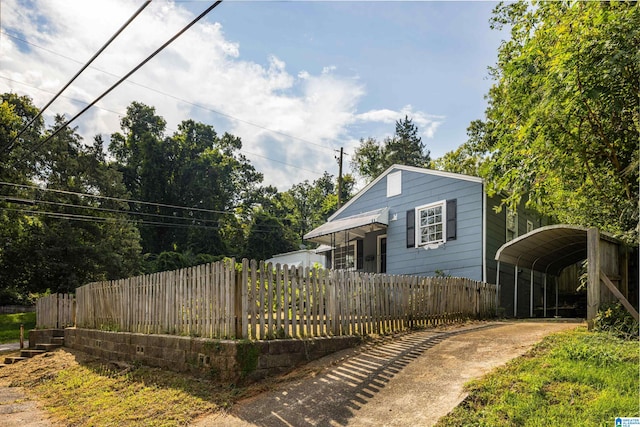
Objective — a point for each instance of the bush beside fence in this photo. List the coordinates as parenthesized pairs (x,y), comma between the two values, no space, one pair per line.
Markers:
(259,301)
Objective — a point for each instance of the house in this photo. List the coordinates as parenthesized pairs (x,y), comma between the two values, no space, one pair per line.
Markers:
(419,221)
(302,258)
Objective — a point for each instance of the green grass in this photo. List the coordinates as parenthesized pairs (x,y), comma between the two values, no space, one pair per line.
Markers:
(575,378)
(10,326)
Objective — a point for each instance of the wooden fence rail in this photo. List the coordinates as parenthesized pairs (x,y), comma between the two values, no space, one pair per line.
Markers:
(55,311)
(261,301)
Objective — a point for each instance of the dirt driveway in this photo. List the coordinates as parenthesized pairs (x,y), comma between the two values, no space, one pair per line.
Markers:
(411,381)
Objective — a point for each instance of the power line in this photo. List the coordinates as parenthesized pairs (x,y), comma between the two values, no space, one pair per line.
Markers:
(136,222)
(193,104)
(115,199)
(169,129)
(97,219)
(17,200)
(84,67)
(126,76)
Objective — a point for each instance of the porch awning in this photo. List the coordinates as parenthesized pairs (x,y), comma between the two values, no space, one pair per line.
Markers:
(345,229)
(548,249)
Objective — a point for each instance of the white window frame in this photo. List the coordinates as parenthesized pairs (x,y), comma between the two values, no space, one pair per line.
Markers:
(355,257)
(394,184)
(514,230)
(443,222)
(529,226)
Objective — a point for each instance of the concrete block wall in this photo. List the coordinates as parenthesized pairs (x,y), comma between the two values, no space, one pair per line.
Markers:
(225,360)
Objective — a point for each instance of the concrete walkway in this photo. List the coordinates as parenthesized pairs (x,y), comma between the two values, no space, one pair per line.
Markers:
(413,380)
(11,346)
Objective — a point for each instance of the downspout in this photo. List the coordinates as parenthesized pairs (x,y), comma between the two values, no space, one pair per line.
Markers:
(484,236)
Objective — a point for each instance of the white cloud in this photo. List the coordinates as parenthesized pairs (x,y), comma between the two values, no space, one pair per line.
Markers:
(329,69)
(201,67)
(427,123)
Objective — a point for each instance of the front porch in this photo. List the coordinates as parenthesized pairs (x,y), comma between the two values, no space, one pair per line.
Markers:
(356,243)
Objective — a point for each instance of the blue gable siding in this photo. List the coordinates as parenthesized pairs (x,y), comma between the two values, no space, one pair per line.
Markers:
(461,257)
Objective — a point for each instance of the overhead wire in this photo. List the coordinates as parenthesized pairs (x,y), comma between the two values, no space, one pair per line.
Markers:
(177,98)
(84,67)
(117,199)
(126,76)
(12,199)
(174,130)
(97,219)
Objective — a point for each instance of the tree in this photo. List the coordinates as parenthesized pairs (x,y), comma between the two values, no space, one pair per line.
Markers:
(371,158)
(195,168)
(468,158)
(58,240)
(267,237)
(563,119)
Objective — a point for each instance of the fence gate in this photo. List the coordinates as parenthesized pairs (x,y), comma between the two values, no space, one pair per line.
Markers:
(56,311)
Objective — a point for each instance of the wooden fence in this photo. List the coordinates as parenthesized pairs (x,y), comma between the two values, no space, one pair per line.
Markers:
(55,311)
(258,301)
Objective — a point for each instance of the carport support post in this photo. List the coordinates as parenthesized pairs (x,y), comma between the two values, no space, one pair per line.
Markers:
(498,289)
(593,274)
(515,292)
(531,292)
(544,297)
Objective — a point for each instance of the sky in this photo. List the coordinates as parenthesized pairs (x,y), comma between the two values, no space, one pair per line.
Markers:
(295,80)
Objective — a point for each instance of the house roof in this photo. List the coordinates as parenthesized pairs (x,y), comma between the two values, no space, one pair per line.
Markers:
(405,168)
(548,249)
(353,226)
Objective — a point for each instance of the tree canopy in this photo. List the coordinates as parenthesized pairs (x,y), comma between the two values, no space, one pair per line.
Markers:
(72,213)
(563,121)
(53,235)
(371,158)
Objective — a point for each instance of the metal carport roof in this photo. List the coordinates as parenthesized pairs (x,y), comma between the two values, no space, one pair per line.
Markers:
(548,249)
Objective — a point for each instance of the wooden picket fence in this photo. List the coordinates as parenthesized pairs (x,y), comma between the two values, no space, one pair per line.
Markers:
(55,311)
(257,301)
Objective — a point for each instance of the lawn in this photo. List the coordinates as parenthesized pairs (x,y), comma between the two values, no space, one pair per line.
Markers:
(574,378)
(10,326)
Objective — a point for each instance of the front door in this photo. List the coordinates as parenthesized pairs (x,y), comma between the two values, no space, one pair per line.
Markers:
(382,254)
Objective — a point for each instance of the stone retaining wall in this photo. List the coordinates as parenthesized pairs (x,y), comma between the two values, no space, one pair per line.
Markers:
(226,360)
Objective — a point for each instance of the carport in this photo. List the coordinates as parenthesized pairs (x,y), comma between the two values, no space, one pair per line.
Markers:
(550,249)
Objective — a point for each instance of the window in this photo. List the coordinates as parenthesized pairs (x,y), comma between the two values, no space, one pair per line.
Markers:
(344,257)
(431,223)
(529,226)
(394,184)
(512,224)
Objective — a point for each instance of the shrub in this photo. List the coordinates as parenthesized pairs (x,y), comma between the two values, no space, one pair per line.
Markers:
(615,319)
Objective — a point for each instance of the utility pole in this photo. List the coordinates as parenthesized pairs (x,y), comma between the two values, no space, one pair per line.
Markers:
(340,177)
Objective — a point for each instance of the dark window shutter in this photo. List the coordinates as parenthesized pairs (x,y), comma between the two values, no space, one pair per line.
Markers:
(411,228)
(359,254)
(452,219)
